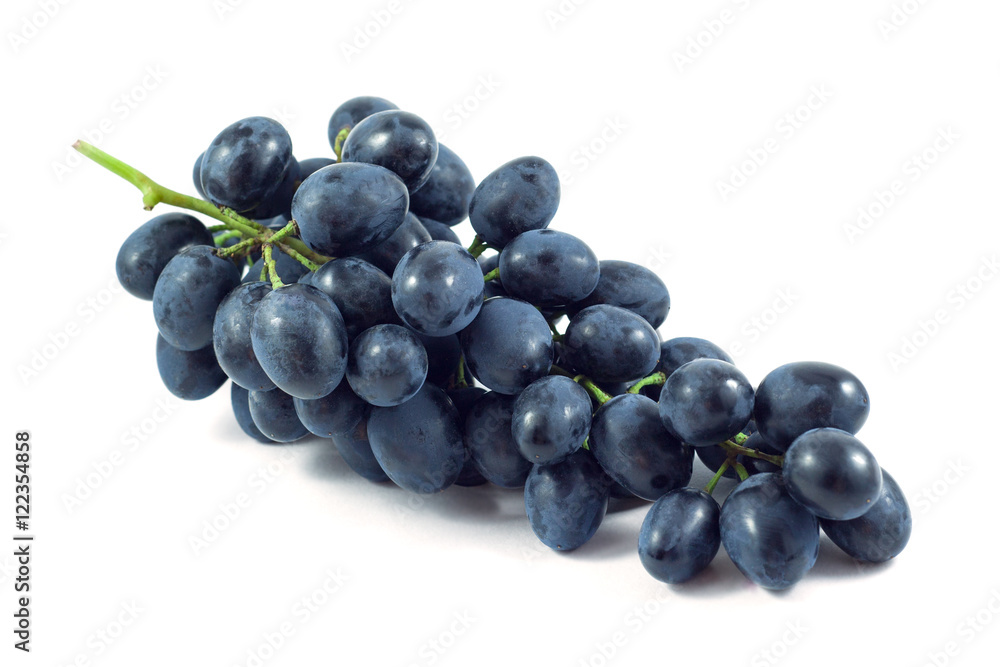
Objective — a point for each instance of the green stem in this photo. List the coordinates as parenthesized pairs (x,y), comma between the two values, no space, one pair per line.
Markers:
(492,275)
(338,143)
(218,228)
(599,394)
(153,193)
(739,438)
(712,483)
(740,470)
(272,270)
(225,236)
(657,378)
(460,381)
(732,448)
(303,260)
(240,247)
(478,247)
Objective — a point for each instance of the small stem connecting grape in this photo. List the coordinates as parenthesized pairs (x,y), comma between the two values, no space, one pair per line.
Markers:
(153,193)
(656,379)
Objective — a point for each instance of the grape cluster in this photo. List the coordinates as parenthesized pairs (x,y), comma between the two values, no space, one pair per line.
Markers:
(338,300)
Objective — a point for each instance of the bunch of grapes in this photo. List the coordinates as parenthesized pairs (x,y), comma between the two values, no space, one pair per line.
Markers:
(337,298)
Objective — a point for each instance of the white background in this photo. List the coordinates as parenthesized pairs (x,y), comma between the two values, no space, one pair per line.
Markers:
(662,135)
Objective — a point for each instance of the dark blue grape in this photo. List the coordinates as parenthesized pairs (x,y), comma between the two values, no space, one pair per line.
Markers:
(187,293)
(508,346)
(566,501)
(632,287)
(344,209)
(231,336)
(706,402)
(680,535)
(489,439)
(519,196)
(279,202)
(356,450)
(352,112)
(336,413)
(149,248)
(240,400)
(191,375)
(804,395)
(676,352)
(400,141)
(273,413)
(440,231)
(464,398)
(386,365)
(409,235)
(880,533)
(611,344)
(362,292)
(629,441)
(437,288)
(446,195)
(443,356)
(832,474)
(551,419)
(548,268)
(770,538)
(289,269)
(196,176)
(419,443)
(310,166)
(246,163)
(300,340)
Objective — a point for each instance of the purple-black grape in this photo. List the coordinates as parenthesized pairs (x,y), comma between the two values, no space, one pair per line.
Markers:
(437,288)
(231,336)
(832,474)
(489,440)
(508,346)
(187,293)
(610,344)
(239,398)
(680,535)
(517,197)
(345,209)
(386,365)
(310,166)
(566,501)
(356,450)
(630,442)
(352,112)
(772,539)
(551,419)
(632,287)
(419,443)
(446,195)
(549,268)
(804,395)
(362,292)
(300,340)
(190,375)
(706,402)
(409,235)
(440,231)
(273,413)
(246,163)
(337,412)
(400,141)
(149,249)
(880,533)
